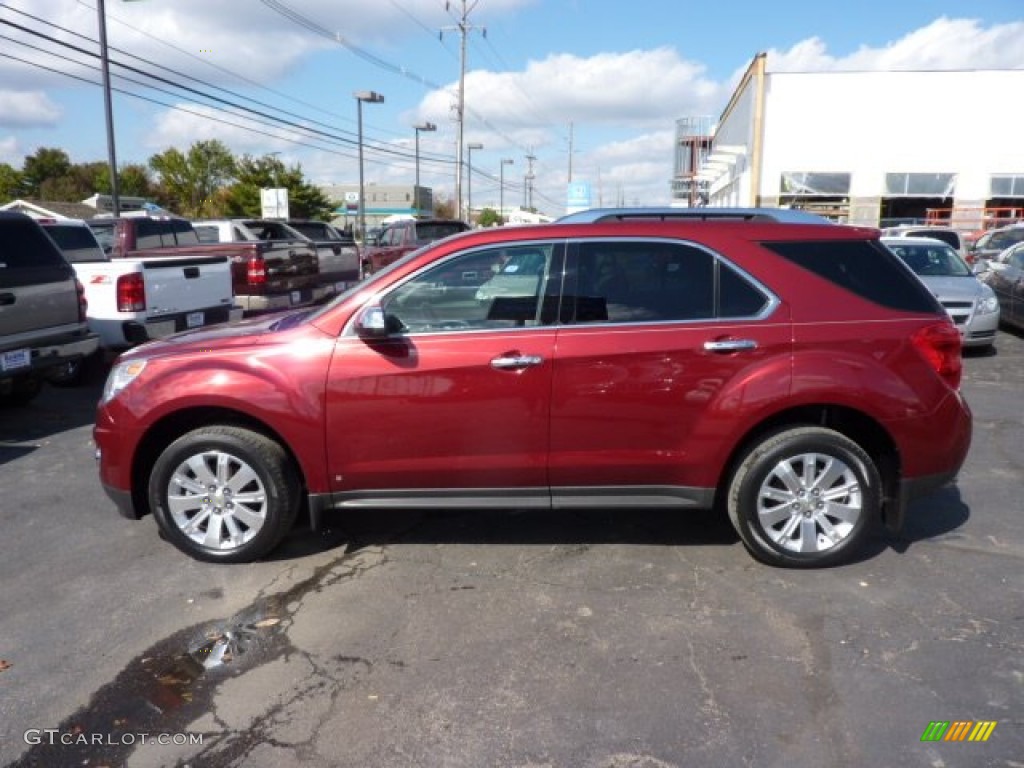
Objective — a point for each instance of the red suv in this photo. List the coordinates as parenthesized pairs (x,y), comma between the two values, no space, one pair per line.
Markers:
(795,375)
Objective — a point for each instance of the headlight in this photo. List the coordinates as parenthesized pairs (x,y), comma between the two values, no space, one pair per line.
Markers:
(988,305)
(121,375)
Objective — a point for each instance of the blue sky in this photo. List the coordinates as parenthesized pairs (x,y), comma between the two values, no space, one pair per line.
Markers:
(620,74)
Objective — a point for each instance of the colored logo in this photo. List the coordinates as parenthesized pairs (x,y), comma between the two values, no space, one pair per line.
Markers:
(958,730)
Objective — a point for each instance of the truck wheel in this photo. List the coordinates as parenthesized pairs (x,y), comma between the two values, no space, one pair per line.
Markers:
(75,372)
(805,497)
(23,390)
(224,494)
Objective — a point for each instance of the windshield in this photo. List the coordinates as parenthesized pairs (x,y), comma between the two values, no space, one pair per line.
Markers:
(429,231)
(930,260)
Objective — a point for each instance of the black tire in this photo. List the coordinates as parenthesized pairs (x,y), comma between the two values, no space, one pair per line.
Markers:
(213,526)
(805,497)
(23,390)
(76,372)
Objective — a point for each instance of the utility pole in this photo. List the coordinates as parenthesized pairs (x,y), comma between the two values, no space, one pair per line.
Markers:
(528,185)
(570,152)
(463,28)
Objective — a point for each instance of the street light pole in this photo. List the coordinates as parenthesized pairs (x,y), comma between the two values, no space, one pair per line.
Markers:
(501,187)
(371,97)
(115,197)
(469,179)
(426,127)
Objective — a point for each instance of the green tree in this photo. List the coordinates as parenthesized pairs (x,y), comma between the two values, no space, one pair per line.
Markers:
(11,183)
(134,179)
(47,163)
(190,181)
(305,201)
(443,207)
(488,218)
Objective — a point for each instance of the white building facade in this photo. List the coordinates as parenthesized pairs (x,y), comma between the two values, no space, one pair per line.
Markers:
(872,148)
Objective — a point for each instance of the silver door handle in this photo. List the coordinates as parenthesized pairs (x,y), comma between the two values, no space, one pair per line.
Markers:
(516,362)
(730,345)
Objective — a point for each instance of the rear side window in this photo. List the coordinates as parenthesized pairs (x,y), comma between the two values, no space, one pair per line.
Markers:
(655,281)
(78,243)
(28,256)
(864,267)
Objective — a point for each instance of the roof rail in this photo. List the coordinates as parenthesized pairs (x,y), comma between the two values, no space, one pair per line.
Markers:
(782,215)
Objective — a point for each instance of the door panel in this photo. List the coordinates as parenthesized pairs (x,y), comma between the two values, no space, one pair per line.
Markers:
(658,357)
(457,397)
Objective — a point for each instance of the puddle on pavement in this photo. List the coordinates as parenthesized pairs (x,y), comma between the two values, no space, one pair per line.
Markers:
(173,682)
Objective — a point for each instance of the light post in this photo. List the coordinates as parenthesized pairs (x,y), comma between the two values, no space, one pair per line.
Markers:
(469,179)
(371,97)
(115,198)
(501,187)
(427,128)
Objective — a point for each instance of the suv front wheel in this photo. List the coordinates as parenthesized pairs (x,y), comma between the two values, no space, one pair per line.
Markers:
(224,494)
(805,497)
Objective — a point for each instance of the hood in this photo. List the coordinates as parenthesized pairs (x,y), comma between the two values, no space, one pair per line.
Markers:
(963,288)
(227,334)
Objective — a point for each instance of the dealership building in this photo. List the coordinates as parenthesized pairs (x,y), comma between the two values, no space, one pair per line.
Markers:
(869,147)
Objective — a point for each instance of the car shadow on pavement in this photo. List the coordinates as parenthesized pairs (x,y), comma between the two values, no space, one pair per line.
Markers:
(357,529)
(55,410)
(938,514)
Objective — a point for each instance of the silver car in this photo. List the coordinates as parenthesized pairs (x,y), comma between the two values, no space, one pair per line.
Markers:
(972,304)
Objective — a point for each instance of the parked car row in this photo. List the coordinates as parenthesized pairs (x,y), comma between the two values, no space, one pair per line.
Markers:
(43,325)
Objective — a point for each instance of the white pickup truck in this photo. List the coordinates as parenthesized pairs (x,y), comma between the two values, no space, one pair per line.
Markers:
(131,301)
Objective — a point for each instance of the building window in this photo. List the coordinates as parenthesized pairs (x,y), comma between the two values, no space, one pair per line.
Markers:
(814,183)
(920,184)
(1007,185)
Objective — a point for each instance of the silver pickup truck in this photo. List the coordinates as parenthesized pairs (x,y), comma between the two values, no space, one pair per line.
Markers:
(43,325)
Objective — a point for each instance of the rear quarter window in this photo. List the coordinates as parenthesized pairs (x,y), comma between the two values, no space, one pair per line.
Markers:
(864,267)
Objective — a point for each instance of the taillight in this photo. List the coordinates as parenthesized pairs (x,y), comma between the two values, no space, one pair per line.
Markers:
(940,345)
(256,274)
(83,303)
(131,293)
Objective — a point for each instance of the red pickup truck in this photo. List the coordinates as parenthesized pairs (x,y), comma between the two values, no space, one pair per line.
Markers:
(403,237)
(265,276)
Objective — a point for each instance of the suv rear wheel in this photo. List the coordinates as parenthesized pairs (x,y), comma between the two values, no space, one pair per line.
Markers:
(805,497)
(224,494)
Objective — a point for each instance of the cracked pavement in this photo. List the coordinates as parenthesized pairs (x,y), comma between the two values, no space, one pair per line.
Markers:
(532,639)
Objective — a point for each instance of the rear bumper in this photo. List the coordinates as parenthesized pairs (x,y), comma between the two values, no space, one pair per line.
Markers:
(50,353)
(136,332)
(259,303)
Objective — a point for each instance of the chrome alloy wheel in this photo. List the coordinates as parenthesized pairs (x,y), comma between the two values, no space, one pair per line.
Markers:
(809,502)
(217,500)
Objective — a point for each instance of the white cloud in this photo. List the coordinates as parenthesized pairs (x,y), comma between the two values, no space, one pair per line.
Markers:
(28,109)
(190,123)
(945,44)
(10,151)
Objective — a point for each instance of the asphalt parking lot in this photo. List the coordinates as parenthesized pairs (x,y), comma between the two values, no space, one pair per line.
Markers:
(534,640)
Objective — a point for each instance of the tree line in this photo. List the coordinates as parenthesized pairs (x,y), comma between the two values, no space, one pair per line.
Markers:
(206,181)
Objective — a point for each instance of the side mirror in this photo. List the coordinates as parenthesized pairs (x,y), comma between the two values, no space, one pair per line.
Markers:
(981,265)
(371,323)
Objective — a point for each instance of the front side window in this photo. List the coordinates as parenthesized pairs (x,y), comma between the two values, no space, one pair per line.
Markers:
(484,289)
